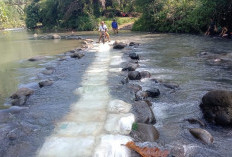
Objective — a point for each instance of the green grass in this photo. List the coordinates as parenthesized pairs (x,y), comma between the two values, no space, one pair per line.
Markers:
(120,20)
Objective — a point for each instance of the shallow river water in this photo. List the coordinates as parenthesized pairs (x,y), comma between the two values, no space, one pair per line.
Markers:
(82,122)
(16,47)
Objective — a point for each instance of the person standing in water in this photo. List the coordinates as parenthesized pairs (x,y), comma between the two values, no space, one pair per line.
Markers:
(103,29)
(115,26)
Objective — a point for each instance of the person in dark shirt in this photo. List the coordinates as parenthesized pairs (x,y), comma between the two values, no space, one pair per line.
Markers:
(115,26)
(212,28)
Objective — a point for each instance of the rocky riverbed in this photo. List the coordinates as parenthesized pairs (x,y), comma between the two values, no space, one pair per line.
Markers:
(147,89)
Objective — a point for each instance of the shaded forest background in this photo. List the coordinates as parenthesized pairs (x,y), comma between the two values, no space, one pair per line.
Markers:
(180,16)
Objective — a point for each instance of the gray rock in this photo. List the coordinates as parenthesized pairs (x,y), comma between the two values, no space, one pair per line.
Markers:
(196,121)
(171,86)
(56,36)
(217,107)
(202,135)
(133,44)
(125,80)
(134,75)
(77,55)
(130,67)
(47,72)
(145,74)
(135,87)
(153,93)
(143,113)
(37,58)
(141,95)
(144,133)
(22,92)
(134,56)
(119,45)
(45,83)
(20,97)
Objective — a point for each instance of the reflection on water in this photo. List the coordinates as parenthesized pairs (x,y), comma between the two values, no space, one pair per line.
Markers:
(15,46)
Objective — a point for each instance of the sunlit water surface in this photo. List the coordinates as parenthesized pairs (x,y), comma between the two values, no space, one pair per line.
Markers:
(16,47)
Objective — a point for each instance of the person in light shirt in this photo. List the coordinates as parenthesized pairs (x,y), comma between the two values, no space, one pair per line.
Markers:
(103,29)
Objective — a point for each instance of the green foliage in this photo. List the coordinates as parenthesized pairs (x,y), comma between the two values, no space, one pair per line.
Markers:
(33,16)
(10,16)
(182,16)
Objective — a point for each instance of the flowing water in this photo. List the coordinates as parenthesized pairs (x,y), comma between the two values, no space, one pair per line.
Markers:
(96,124)
(175,59)
(16,47)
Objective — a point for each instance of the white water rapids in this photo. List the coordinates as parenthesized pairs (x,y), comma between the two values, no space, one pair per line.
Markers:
(96,125)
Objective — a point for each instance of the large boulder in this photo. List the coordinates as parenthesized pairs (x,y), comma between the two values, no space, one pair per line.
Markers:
(144,133)
(217,107)
(134,56)
(134,75)
(119,45)
(143,113)
(20,97)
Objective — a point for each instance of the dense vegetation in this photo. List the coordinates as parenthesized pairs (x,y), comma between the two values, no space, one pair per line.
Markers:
(72,14)
(181,16)
(189,16)
(12,13)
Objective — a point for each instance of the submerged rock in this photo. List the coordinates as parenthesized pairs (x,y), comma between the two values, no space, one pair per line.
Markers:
(153,93)
(217,107)
(134,75)
(19,98)
(45,83)
(125,80)
(144,133)
(202,135)
(134,56)
(141,95)
(130,67)
(119,45)
(37,58)
(135,87)
(56,36)
(133,44)
(77,55)
(47,72)
(171,86)
(195,121)
(143,113)
(145,74)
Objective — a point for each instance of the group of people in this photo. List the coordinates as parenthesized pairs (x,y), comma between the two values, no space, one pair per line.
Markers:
(104,30)
(213,30)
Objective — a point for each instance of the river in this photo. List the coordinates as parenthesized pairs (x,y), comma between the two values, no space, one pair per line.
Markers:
(170,58)
(15,48)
